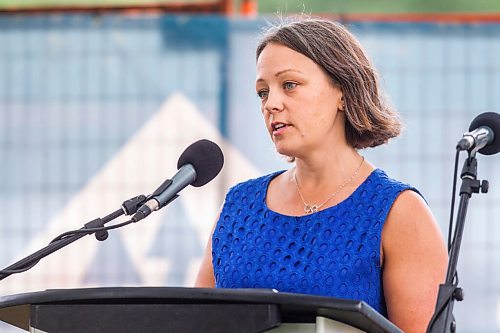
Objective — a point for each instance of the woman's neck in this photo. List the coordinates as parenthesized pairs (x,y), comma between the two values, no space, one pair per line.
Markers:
(327,169)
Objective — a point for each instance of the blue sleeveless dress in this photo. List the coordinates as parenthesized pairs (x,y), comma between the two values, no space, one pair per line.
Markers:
(334,252)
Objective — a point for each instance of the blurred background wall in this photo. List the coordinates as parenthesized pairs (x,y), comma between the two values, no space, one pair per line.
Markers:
(97,103)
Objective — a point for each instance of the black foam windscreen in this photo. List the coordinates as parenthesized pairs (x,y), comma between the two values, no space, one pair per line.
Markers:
(207,159)
(491,120)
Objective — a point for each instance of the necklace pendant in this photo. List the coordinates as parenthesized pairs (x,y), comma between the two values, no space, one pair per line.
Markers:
(309,209)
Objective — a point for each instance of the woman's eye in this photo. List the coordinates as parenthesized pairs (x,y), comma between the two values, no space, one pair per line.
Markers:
(289,85)
(262,94)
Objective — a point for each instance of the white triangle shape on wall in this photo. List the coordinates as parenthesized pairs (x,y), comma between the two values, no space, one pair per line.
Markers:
(140,166)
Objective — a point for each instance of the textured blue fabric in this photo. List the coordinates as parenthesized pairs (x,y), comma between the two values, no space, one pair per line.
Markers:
(334,252)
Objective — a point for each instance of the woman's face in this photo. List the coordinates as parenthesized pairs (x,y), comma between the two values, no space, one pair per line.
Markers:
(298,101)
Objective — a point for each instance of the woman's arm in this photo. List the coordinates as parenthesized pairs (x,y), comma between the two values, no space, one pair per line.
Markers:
(205,278)
(414,260)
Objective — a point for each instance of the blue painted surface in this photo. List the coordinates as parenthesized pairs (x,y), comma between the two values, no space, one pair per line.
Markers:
(74,89)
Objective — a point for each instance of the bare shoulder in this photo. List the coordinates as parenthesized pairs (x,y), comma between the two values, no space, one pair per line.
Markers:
(414,262)
(411,229)
(410,213)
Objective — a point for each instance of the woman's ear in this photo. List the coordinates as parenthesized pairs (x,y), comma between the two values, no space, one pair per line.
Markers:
(341,104)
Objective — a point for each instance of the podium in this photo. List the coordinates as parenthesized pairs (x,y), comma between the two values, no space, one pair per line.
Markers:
(186,310)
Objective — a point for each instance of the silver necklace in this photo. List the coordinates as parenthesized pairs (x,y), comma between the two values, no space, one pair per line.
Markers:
(309,209)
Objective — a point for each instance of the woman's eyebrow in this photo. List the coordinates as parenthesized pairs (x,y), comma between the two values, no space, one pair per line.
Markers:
(281,73)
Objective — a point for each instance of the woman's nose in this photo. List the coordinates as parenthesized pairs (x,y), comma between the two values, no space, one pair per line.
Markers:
(274,102)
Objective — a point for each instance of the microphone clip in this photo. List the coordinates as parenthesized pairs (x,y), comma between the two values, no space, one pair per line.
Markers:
(160,189)
(131,205)
(166,184)
(150,204)
(470,183)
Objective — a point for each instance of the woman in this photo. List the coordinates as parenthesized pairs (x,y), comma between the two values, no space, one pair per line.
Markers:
(333,224)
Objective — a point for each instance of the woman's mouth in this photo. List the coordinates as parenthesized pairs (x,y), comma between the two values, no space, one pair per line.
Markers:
(278,128)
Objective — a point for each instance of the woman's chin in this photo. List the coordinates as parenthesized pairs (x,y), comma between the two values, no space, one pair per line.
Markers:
(284,151)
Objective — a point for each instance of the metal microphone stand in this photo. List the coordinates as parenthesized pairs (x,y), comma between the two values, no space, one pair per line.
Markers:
(128,207)
(443,320)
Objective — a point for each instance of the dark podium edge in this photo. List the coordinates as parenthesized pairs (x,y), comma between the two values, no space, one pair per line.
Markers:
(294,308)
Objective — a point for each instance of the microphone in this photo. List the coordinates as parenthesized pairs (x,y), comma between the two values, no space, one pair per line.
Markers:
(483,135)
(197,165)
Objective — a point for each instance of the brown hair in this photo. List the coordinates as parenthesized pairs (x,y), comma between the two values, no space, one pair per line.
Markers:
(370,121)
